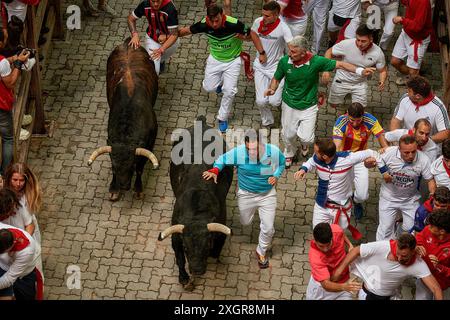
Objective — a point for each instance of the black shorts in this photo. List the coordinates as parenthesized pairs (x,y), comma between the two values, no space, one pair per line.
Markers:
(22,289)
(339,21)
(6,292)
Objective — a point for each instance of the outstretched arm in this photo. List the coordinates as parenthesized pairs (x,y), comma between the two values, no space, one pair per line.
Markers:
(351,256)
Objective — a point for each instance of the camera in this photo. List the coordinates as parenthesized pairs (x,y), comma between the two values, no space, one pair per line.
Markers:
(30,50)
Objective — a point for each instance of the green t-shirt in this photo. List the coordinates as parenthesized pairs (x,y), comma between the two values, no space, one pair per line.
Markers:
(301,84)
(223,43)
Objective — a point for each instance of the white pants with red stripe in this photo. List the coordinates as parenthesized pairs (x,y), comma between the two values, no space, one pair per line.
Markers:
(225,74)
(297,124)
(328,215)
(262,82)
(387,216)
(319,9)
(404,50)
(297,26)
(151,45)
(266,204)
(315,291)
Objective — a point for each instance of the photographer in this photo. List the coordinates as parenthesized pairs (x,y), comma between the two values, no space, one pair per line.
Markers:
(9,74)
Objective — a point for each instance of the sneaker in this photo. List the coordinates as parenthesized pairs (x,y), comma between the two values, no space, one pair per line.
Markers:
(26,120)
(223,126)
(305,150)
(107,9)
(263,262)
(219,89)
(24,134)
(401,81)
(289,162)
(358,211)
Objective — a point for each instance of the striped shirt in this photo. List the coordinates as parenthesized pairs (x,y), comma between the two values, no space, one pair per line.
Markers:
(356,139)
(336,177)
(434,111)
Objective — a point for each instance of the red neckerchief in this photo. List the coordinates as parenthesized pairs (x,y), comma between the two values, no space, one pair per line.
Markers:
(393,244)
(266,29)
(424,101)
(20,240)
(363,52)
(308,56)
(447,169)
(224,19)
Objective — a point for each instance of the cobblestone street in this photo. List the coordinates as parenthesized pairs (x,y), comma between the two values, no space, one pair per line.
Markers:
(115,244)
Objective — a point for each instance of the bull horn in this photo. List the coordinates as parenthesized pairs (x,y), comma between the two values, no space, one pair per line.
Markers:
(148,154)
(99,151)
(218,227)
(178,228)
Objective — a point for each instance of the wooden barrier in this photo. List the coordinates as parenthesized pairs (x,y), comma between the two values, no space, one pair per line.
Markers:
(443,31)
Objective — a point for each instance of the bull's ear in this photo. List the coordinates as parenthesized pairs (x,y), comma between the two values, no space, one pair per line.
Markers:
(178,228)
(218,227)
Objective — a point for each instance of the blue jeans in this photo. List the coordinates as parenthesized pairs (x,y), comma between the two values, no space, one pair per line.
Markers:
(7,134)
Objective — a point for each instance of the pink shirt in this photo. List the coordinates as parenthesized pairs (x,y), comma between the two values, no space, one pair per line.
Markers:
(293,10)
(324,264)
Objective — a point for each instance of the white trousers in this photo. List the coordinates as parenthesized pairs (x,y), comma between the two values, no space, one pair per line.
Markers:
(403,49)
(340,89)
(262,82)
(225,74)
(319,9)
(297,123)
(151,45)
(266,204)
(361,174)
(387,216)
(298,26)
(423,293)
(328,215)
(390,11)
(315,291)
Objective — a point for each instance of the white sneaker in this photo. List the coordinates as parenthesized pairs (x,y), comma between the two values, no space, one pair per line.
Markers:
(24,134)
(26,120)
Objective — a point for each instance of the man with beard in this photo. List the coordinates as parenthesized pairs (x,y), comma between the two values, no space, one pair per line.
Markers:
(384,265)
(259,165)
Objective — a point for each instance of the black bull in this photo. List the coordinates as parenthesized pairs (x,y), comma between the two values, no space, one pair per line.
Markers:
(198,223)
(132,88)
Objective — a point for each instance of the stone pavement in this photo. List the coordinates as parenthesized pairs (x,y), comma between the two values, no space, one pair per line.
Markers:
(115,244)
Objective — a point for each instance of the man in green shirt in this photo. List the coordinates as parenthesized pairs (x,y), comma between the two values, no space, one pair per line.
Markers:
(301,69)
(224,64)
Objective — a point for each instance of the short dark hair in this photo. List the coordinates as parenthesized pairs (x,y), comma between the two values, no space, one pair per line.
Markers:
(322,233)
(272,6)
(440,218)
(442,195)
(8,202)
(419,85)
(355,110)
(363,30)
(406,241)
(6,240)
(420,121)
(213,10)
(407,139)
(326,146)
(446,148)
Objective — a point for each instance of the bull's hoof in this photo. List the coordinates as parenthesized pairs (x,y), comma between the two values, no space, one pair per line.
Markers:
(114,196)
(190,285)
(139,195)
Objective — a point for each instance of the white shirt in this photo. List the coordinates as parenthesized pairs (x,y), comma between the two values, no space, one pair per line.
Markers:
(16,8)
(19,263)
(439,173)
(380,275)
(405,176)
(434,111)
(336,178)
(347,8)
(430,148)
(274,44)
(350,53)
(5,68)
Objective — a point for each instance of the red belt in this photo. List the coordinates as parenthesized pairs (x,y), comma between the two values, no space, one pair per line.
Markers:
(341,209)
